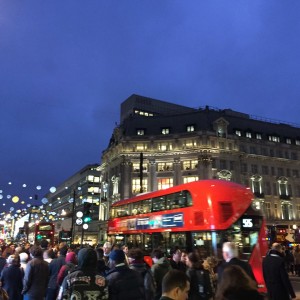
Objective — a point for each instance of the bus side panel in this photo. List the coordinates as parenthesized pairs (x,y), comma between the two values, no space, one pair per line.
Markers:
(257,256)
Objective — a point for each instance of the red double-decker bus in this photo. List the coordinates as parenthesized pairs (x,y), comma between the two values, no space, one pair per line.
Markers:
(42,231)
(201,214)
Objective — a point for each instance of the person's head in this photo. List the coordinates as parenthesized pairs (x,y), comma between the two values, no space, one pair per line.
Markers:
(87,259)
(277,247)
(107,248)
(71,258)
(229,251)
(175,285)
(27,246)
(36,251)
(19,249)
(184,256)
(176,254)
(156,255)
(44,244)
(63,249)
(13,259)
(234,278)
(23,257)
(210,263)
(116,257)
(125,249)
(100,253)
(135,255)
(49,254)
(194,261)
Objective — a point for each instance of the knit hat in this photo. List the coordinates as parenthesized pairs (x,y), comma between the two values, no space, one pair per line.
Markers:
(71,257)
(117,255)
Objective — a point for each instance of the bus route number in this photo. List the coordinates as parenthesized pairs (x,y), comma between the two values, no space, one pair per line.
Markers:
(247,223)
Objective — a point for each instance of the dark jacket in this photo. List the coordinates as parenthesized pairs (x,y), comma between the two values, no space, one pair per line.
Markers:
(237,262)
(11,278)
(178,266)
(84,280)
(125,284)
(54,268)
(36,278)
(243,294)
(2,263)
(159,270)
(147,277)
(276,277)
(200,285)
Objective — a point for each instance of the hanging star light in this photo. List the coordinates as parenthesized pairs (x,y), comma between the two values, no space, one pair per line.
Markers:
(15,199)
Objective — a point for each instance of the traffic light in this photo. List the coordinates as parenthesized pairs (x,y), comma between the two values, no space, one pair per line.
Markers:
(87,212)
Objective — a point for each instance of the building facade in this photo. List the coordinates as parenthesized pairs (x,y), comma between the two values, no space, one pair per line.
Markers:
(159,144)
(84,187)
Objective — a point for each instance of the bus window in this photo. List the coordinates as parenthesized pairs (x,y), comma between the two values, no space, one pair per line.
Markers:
(158,203)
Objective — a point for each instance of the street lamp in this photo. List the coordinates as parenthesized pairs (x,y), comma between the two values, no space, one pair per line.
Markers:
(73,213)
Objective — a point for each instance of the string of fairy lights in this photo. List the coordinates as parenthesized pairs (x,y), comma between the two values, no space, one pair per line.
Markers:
(38,210)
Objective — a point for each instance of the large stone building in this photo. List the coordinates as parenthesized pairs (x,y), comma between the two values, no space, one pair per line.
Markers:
(176,144)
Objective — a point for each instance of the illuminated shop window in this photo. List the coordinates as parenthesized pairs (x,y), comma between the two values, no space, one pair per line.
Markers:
(188,179)
(164,183)
(136,186)
(190,164)
(164,166)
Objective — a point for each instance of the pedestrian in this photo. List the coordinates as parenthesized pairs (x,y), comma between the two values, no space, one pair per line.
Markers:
(159,269)
(236,284)
(230,255)
(106,250)
(123,282)
(68,267)
(276,277)
(23,260)
(36,276)
(136,262)
(200,284)
(175,286)
(54,267)
(175,260)
(12,278)
(84,282)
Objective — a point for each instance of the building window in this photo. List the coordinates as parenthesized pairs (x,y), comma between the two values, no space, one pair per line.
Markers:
(143,113)
(280,172)
(94,189)
(264,151)
(141,147)
(286,154)
(165,131)
(294,156)
(136,167)
(190,128)
(223,164)
(274,138)
(273,171)
(225,175)
(190,144)
(288,172)
(275,191)
(285,211)
(187,179)
(298,211)
(252,150)
(254,169)
(190,164)
(244,168)
(222,145)
(92,178)
(288,141)
(256,185)
(268,210)
(267,188)
(140,131)
(275,210)
(297,142)
(265,170)
(283,188)
(258,136)
(136,185)
(165,146)
(295,173)
(164,183)
(238,133)
(164,166)
(248,134)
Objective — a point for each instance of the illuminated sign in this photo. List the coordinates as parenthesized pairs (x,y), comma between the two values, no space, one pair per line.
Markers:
(251,223)
(172,220)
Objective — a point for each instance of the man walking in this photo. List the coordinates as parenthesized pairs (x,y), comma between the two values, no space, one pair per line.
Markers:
(275,275)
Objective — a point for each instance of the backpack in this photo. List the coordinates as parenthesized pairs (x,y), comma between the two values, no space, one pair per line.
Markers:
(85,287)
(204,285)
(149,283)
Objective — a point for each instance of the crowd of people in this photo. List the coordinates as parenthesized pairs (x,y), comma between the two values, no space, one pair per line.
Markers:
(43,272)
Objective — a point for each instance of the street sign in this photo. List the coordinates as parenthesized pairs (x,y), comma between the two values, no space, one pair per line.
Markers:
(79,221)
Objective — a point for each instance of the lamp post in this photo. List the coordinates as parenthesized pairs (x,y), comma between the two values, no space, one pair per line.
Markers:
(73,213)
